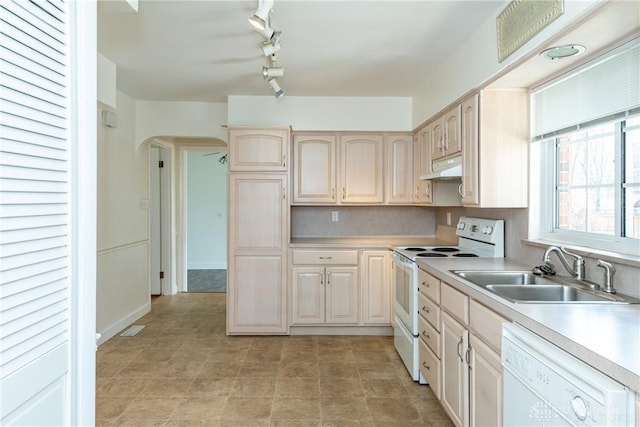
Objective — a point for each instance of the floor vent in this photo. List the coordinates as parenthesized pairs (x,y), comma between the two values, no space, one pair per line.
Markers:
(132,331)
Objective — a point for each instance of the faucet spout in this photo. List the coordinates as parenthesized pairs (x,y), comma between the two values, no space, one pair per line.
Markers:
(577,270)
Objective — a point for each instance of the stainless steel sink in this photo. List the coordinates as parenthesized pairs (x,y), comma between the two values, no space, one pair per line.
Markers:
(483,278)
(526,287)
(547,293)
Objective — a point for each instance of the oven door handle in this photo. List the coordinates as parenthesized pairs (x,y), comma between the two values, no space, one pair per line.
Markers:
(402,261)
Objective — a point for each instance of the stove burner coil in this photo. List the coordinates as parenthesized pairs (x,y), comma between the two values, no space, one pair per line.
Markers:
(415,249)
(430,255)
(464,255)
(445,249)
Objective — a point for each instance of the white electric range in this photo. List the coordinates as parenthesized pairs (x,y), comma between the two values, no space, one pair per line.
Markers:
(477,237)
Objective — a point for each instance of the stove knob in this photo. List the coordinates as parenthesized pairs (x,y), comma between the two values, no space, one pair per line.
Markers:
(488,230)
(579,407)
(461,225)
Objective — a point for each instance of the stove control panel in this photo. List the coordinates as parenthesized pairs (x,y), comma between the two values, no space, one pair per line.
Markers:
(481,229)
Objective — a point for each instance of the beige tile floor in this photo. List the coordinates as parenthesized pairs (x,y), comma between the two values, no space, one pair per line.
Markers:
(182,370)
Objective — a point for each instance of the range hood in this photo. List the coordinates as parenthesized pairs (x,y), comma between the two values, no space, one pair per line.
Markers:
(447,169)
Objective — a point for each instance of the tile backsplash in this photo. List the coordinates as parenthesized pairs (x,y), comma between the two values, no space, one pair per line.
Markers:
(360,221)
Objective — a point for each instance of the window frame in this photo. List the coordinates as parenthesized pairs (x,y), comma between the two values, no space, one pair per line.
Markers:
(544,159)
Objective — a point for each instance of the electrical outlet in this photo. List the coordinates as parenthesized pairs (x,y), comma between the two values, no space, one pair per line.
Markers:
(448,218)
(334,216)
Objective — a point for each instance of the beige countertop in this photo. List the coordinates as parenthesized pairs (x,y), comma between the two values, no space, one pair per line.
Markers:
(606,336)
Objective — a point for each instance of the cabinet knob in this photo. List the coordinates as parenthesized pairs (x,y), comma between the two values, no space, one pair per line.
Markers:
(424,308)
(424,364)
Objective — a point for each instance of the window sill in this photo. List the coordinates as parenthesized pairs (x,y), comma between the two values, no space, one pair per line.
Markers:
(615,257)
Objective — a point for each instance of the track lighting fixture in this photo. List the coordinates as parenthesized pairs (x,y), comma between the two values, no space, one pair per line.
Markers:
(260,19)
(277,90)
(261,23)
(269,72)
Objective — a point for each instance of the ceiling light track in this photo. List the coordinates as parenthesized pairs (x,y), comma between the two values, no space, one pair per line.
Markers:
(261,22)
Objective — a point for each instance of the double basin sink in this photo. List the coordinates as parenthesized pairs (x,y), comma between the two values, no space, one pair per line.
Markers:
(526,287)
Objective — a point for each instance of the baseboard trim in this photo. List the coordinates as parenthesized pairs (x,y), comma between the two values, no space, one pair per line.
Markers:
(385,331)
(207,266)
(118,326)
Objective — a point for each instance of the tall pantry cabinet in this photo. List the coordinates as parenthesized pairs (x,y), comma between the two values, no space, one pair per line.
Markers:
(258,232)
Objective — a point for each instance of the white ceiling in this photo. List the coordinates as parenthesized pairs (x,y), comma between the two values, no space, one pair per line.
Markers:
(207,50)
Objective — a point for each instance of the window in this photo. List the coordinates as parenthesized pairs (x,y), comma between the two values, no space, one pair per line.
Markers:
(593,192)
(586,155)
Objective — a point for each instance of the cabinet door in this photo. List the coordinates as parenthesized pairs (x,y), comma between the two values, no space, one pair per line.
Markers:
(307,295)
(258,149)
(258,236)
(399,170)
(436,139)
(256,295)
(361,167)
(376,287)
(485,382)
(314,169)
(258,213)
(455,373)
(341,289)
(469,137)
(422,165)
(451,123)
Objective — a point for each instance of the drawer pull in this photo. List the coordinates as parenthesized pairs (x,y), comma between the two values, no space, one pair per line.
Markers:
(425,334)
(326,257)
(424,308)
(425,284)
(424,364)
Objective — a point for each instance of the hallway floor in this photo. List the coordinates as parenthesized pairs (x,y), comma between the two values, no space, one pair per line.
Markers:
(182,370)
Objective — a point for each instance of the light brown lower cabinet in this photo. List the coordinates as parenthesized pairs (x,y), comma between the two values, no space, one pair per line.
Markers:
(375,279)
(257,254)
(324,287)
(485,385)
(464,368)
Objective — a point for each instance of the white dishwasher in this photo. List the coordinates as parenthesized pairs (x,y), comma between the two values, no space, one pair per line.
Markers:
(545,386)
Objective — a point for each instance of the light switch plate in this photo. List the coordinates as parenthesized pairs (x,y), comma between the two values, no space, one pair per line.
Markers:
(334,216)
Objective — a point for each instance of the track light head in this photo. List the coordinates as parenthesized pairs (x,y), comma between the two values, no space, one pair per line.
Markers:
(270,48)
(260,19)
(277,90)
(270,72)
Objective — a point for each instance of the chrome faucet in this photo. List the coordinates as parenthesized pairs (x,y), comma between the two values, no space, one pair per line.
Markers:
(609,271)
(576,271)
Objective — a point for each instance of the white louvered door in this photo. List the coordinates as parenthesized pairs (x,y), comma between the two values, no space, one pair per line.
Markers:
(46,315)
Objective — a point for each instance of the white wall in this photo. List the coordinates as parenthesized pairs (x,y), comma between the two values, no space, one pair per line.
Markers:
(180,119)
(476,61)
(122,234)
(206,211)
(322,113)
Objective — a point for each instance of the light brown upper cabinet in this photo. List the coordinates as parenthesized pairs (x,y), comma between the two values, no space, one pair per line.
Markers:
(258,149)
(338,168)
(399,171)
(314,168)
(361,169)
(495,149)
(445,134)
(422,194)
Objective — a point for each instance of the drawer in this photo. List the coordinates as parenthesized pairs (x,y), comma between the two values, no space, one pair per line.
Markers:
(487,324)
(430,335)
(429,310)
(455,302)
(429,285)
(430,367)
(325,257)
